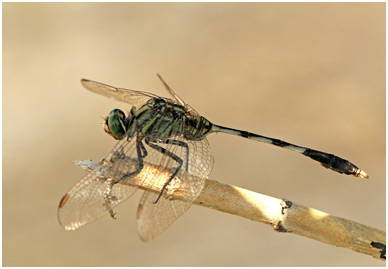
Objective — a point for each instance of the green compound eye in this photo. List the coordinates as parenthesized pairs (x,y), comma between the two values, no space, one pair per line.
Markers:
(116,124)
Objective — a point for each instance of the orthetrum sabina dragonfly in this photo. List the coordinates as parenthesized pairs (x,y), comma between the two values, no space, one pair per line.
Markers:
(171,136)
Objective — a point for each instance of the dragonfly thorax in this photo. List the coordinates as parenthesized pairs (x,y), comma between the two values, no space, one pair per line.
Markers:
(158,118)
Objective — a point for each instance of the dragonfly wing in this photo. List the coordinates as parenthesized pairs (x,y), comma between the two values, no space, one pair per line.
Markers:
(179,100)
(95,195)
(135,98)
(176,97)
(153,219)
(181,192)
(86,202)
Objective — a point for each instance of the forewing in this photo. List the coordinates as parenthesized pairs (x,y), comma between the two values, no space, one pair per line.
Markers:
(134,98)
(88,199)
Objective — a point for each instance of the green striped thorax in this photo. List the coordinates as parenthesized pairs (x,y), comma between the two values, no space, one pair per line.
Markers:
(157,118)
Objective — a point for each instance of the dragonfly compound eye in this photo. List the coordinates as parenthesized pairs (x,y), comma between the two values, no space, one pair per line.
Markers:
(116,124)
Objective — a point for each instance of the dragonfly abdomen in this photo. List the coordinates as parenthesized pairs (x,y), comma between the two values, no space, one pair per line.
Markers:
(327,160)
(335,163)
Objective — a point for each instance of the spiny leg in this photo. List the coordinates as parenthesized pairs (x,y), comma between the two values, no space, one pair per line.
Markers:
(140,155)
(172,156)
(145,153)
(178,143)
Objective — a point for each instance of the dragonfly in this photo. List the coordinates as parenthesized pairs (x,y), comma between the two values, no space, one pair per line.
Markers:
(163,142)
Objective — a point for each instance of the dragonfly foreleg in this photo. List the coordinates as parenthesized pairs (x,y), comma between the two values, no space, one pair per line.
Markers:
(140,155)
(108,197)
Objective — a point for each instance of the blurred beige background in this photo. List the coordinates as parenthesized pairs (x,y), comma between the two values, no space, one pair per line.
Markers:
(311,74)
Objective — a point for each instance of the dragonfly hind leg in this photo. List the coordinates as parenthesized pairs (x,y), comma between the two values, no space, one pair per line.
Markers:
(181,144)
(169,154)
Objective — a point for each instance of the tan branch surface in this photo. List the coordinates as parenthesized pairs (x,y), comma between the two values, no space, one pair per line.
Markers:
(282,215)
(286,216)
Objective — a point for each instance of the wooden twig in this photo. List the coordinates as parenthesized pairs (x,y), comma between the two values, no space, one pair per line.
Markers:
(283,215)
(286,216)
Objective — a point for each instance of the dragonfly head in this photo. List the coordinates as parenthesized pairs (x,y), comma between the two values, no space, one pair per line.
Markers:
(116,124)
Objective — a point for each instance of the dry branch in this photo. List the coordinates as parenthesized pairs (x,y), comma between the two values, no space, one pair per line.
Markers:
(283,215)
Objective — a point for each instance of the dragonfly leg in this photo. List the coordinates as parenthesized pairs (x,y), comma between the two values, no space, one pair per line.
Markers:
(145,153)
(141,153)
(169,154)
(108,197)
(178,143)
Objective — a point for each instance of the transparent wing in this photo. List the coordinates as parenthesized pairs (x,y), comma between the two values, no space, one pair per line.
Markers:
(90,199)
(96,195)
(198,162)
(176,97)
(134,98)
(153,218)
(179,100)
